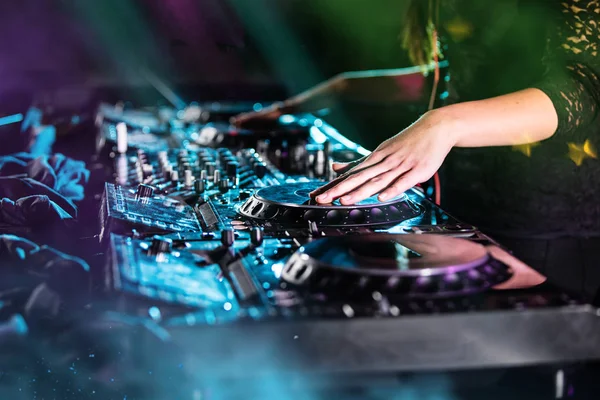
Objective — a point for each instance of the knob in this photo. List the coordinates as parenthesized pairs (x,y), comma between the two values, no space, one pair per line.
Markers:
(232,168)
(204,160)
(144,191)
(203,175)
(319,167)
(227,237)
(199,186)
(160,245)
(188,179)
(216,177)
(260,170)
(210,168)
(327,164)
(223,185)
(167,171)
(121,138)
(147,171)
(174,176)
(256,236)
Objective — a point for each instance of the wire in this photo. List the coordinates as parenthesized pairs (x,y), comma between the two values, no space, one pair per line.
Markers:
(437,189)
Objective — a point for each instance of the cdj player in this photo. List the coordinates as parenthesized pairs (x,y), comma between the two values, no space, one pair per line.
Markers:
(213,229)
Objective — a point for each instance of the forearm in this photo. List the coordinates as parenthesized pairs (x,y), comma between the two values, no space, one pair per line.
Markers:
(522,117)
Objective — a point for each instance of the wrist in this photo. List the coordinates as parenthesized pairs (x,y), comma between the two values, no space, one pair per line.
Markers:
(446,123)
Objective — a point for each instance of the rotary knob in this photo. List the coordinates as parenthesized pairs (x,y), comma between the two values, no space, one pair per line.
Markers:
(188,179)
(210,168)
(232,168)
(122,138)
(227,237)
(199,186)
(224,185)
(256,236)
(260,170)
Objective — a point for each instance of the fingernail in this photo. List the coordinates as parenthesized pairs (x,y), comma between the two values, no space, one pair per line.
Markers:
(346,198)
(383,196)
(322,197)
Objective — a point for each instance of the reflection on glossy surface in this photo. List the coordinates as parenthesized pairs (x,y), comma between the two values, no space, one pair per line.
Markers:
(523,275)
(396,252)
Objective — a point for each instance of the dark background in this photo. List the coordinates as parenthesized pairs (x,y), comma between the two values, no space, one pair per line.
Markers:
(204,49)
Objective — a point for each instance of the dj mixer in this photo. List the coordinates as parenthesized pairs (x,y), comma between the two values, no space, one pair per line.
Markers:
(212,228)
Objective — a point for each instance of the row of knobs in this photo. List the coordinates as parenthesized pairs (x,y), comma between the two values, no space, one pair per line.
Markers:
(163,245)
(222,169)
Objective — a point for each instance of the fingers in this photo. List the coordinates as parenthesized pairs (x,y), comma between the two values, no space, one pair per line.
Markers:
(401,185)
(371,187)
(341,168)
(354,179)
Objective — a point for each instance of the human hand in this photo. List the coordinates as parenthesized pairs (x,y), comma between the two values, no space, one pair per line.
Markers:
(270,113)
(319,97)
(411,157)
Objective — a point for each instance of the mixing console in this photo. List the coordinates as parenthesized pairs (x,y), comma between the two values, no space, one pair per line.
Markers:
(214,226)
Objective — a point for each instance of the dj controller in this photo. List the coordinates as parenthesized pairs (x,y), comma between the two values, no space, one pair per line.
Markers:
(210,230)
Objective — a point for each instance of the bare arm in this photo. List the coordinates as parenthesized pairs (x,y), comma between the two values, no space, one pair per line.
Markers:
(382,86)
(516,118)
(565,103)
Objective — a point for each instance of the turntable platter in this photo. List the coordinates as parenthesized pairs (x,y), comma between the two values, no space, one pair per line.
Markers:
(291,205)
(405,265)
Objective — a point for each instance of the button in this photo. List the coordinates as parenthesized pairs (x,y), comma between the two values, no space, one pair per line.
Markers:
(334,217)
(377,215)
(357,216)
(311,215)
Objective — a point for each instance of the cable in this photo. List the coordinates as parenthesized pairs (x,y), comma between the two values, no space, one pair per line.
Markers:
(437,190)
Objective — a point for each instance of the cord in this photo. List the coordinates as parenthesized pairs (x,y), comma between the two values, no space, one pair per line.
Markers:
(437,190)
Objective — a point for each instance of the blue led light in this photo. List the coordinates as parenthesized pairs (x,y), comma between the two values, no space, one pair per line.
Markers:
(11,119)
(154,313)
(287,119)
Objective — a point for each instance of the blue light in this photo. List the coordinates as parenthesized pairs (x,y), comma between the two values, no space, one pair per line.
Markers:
(154,313)
(287,119)
(276,268)
(11,119)
(227,306)
(257,107)
(317,135)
